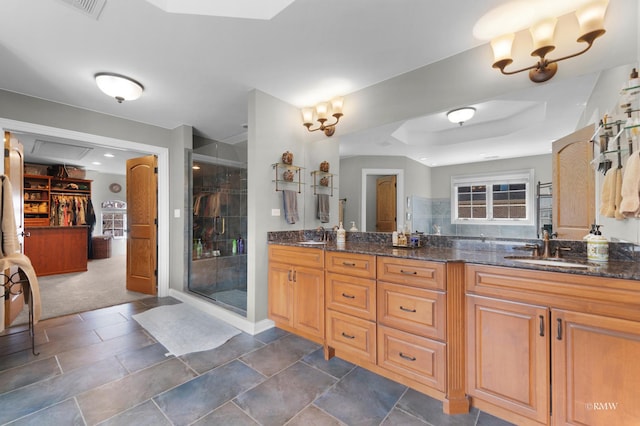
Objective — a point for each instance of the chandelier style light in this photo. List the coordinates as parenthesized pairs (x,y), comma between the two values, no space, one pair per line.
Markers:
(321,113)
(460,115)
(591,21)
(118,86)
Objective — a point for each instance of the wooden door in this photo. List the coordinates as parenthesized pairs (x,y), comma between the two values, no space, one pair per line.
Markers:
(596,373)
(14,168)
(142,214)
(573,184)
(386,204)
(280,305)
(508,356)
(308,310)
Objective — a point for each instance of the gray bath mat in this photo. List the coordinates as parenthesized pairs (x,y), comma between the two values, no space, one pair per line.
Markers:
(183,329)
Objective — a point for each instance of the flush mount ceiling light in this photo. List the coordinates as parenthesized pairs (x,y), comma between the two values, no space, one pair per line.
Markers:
(460,115)
(118,86)
(321,112)
(541,18)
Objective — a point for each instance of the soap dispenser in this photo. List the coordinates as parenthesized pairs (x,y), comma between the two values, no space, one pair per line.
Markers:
(597,246)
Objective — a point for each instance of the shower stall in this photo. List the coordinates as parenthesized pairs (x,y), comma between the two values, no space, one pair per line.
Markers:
(218,232)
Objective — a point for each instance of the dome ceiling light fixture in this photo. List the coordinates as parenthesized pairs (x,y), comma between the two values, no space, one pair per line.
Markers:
(460,115)
(118,86)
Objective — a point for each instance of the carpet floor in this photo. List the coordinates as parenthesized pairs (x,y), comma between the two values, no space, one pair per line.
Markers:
(102,285)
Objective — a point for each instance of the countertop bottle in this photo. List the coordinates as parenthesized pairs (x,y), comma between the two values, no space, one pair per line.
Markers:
(341,235)
(597,246)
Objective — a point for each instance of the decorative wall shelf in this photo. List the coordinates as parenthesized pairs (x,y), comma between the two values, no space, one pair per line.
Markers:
(282,171)
(322,181)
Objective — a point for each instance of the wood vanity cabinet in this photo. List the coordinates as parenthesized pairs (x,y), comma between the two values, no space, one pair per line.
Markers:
(508,355)
(553,348)
(351,304)
(296,290)
(411,302)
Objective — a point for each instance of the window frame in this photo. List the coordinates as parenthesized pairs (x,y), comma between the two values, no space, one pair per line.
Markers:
(525,176)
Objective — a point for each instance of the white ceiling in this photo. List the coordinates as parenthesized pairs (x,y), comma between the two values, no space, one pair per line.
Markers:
(198,69)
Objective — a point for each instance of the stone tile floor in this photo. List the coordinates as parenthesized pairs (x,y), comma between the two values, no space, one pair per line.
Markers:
(101,367)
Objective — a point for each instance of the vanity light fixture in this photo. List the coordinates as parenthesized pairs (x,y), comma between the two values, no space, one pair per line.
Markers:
(460,115)
(321,113)
(591,21)
(118,86)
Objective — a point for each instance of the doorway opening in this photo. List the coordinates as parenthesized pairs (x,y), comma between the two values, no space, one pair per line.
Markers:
(118,144)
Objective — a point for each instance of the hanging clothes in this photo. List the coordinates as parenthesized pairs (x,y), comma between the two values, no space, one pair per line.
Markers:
(69,210)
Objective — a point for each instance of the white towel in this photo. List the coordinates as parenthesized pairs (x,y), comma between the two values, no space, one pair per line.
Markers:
(290,205)
(10,255)
(608,195)
(631,187)
(323,208)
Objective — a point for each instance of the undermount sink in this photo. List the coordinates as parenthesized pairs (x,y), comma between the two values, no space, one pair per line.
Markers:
(312,243)
(559,263)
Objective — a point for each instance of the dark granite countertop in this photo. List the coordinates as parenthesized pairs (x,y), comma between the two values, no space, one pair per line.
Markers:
(485,253)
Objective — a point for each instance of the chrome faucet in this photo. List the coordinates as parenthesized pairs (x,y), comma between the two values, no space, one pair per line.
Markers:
(324,233)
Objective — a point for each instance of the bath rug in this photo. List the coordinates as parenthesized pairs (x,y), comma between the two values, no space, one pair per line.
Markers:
(183,329)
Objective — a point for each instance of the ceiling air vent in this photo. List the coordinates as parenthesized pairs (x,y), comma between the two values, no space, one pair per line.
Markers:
(91,8)
(59,150)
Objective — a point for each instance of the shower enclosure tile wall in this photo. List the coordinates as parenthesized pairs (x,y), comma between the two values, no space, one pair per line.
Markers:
(219,213)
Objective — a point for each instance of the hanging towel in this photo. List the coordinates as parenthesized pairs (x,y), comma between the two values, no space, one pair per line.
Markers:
(323,208)
(290,203)
(618,193)
(631,187)
(10,253)
(608,196)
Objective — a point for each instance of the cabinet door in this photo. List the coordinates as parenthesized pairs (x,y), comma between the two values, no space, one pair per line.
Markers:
(308,303)
(596,373)
(508,355)
(280,305)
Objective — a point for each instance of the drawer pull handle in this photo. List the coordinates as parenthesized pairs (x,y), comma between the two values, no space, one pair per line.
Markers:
(559,330)
(347,336)
(348,296)
(402,271)
(407,357)
(348,264)
(402,308)
(542,325)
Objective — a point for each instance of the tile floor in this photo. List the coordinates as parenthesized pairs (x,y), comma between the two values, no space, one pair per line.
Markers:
(101,367)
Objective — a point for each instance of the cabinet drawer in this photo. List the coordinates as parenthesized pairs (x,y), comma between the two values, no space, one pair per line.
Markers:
(357,265)
(418,273)
(311,257)
(351,295)
(415,310)
(353,335)
(415,357)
